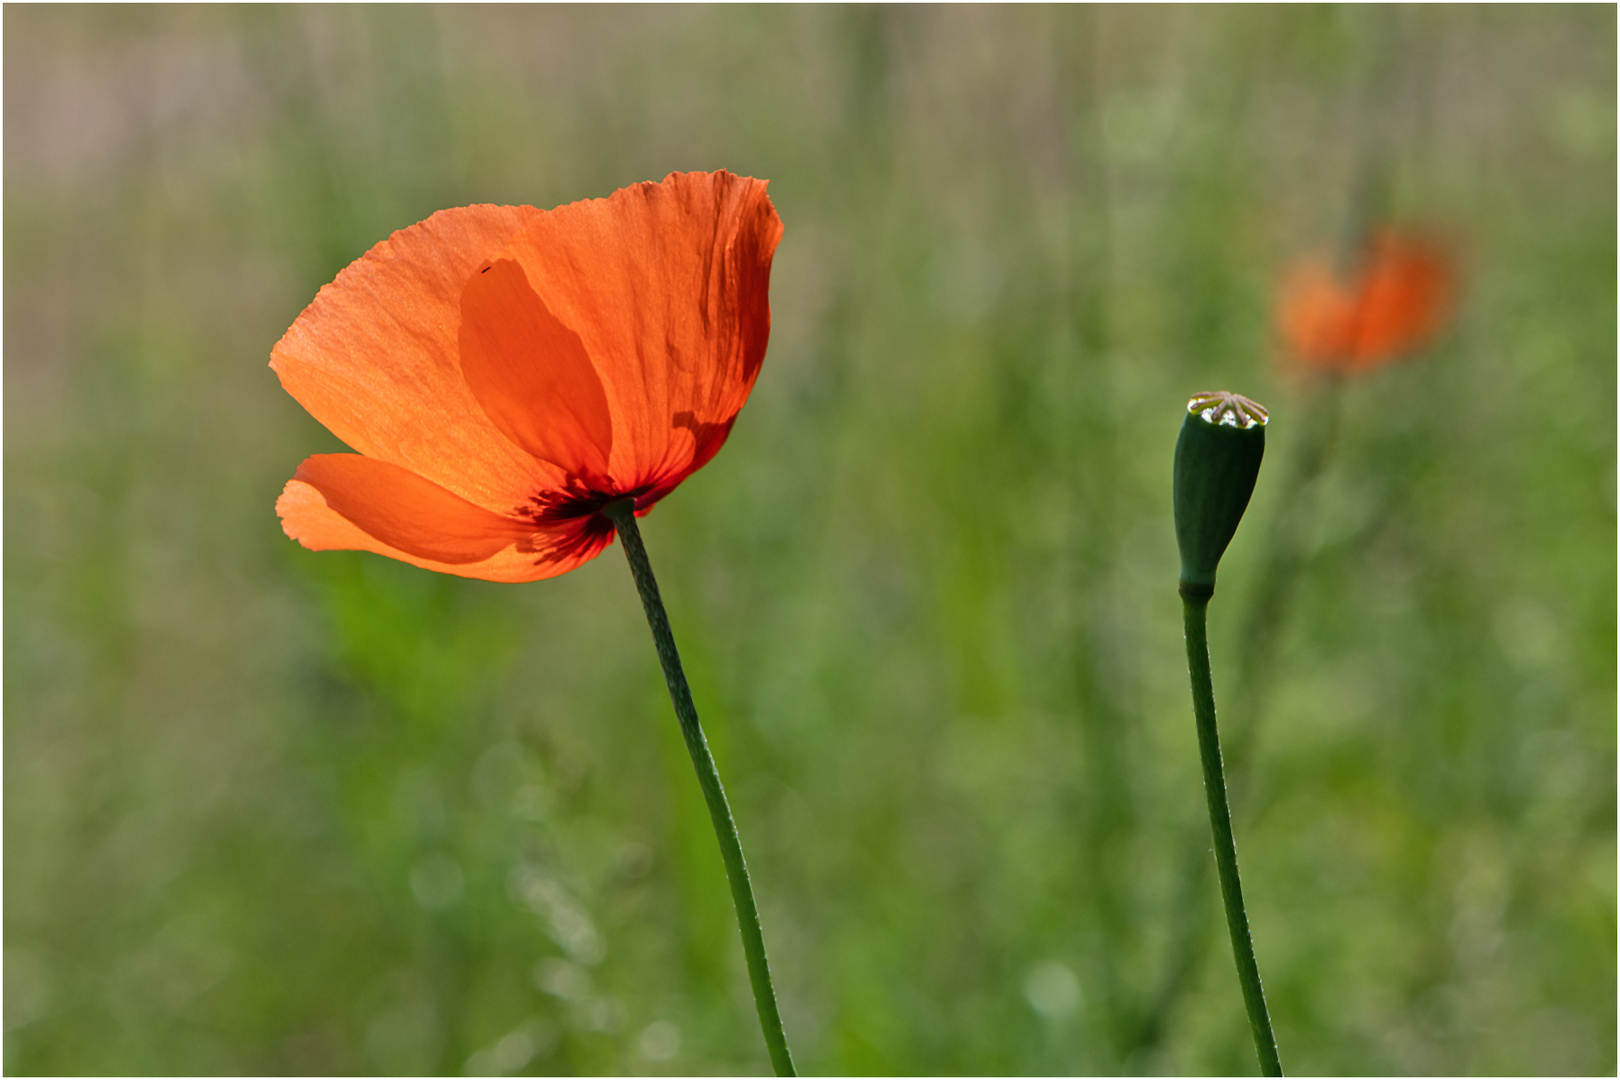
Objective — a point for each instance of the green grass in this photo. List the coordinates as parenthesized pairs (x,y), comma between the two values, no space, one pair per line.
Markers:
(273,811)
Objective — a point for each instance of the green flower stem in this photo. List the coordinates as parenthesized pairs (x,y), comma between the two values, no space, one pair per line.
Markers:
(1195,607)
(1279,567)
(622,515)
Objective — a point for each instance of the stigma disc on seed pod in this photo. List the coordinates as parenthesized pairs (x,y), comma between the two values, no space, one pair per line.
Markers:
(1223,438)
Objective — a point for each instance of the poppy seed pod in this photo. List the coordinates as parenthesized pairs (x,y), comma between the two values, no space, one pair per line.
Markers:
(1218,456)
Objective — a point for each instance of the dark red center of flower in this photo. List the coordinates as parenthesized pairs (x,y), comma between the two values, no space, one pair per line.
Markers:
(572,515)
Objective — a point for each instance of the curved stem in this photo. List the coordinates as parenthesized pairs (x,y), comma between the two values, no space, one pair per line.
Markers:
(622,515)
(1194,611)
(1282,561)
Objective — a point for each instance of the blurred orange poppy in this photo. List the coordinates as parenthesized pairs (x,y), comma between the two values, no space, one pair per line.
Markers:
(1400,296)
(505,372)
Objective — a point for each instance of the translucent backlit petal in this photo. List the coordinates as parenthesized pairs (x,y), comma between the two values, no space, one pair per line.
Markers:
(344,502)
(375,358)
(530,373)
(407,512)
(505,372)
(305,517)
(667,286)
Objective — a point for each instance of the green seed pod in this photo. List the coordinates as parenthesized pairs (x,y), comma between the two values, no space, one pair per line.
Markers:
(1218,456)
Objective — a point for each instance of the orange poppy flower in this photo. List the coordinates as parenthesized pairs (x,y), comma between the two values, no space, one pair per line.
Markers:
(1401,295)
(505,372)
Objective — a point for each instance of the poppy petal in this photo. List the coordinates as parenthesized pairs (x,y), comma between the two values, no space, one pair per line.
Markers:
(707,439)
(667,286)
(307,518)
(1405,298)
(1315,314)
(453,537)
(406,512)
(531,374)
(375,358)
(1401,296)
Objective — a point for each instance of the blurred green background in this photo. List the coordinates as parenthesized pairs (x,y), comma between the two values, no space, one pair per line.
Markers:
(274,811)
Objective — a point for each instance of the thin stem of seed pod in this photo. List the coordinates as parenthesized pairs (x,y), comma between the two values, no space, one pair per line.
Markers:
(622,514)
(1195,608)
(1280,565)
